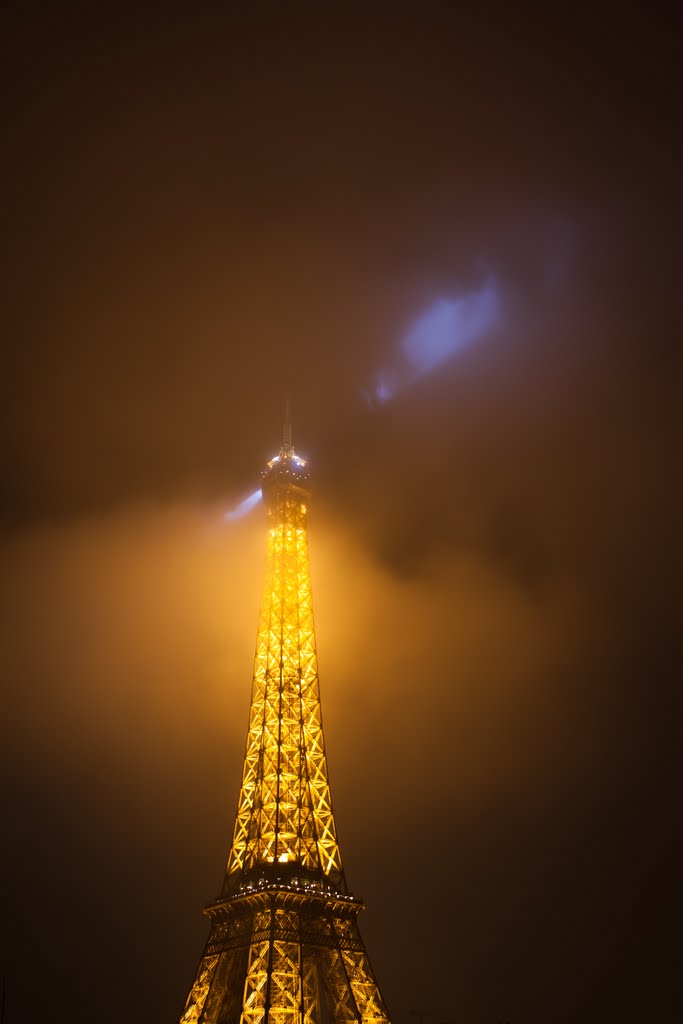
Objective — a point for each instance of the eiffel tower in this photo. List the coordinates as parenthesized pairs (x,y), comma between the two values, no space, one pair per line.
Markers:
(284,945)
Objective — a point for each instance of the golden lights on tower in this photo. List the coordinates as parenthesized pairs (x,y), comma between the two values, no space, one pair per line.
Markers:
(285,811)
(284,932)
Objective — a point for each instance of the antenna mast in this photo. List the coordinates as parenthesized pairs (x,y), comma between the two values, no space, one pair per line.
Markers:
(287,430)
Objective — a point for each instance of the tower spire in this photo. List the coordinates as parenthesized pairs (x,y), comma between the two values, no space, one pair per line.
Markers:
(287,428)
(284,932)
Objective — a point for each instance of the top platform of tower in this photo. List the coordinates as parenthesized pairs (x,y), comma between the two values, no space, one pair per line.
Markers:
(285,474)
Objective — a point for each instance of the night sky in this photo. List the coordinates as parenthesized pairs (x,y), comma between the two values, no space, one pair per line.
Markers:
(451,234)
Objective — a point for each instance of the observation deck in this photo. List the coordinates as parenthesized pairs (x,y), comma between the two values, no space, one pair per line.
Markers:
(285,474)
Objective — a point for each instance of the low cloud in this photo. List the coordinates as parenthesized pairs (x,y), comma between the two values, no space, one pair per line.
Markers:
(446,327)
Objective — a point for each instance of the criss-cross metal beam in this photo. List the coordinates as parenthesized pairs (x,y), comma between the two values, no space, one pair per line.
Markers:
(284,932)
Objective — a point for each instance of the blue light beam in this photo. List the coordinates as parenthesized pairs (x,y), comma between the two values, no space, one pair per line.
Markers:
(244,506)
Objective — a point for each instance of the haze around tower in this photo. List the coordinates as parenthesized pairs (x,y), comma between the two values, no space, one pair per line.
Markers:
(206,209)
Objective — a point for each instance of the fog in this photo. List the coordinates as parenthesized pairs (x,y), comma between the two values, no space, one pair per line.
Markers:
(451,239)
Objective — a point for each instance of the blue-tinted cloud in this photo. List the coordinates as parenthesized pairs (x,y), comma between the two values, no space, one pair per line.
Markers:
(446,327)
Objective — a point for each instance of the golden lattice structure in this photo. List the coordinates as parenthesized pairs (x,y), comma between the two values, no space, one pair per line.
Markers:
(284,946)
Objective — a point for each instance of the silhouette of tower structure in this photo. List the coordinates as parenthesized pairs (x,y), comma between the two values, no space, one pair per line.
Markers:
(284,945)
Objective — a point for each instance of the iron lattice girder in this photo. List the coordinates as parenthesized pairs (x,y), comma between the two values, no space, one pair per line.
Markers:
(284,810)
(285,929)
(278,948)
(233,920)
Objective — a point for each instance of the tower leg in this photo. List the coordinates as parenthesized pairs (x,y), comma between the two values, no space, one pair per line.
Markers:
(270,965)
(194,1006)
(350,986)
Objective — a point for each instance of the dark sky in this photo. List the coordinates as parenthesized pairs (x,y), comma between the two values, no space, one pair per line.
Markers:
(206,207)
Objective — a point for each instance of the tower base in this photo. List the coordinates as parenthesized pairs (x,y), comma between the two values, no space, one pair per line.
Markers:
(276,951)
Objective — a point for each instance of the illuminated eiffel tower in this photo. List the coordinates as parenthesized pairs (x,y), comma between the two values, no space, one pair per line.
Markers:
(284,945)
